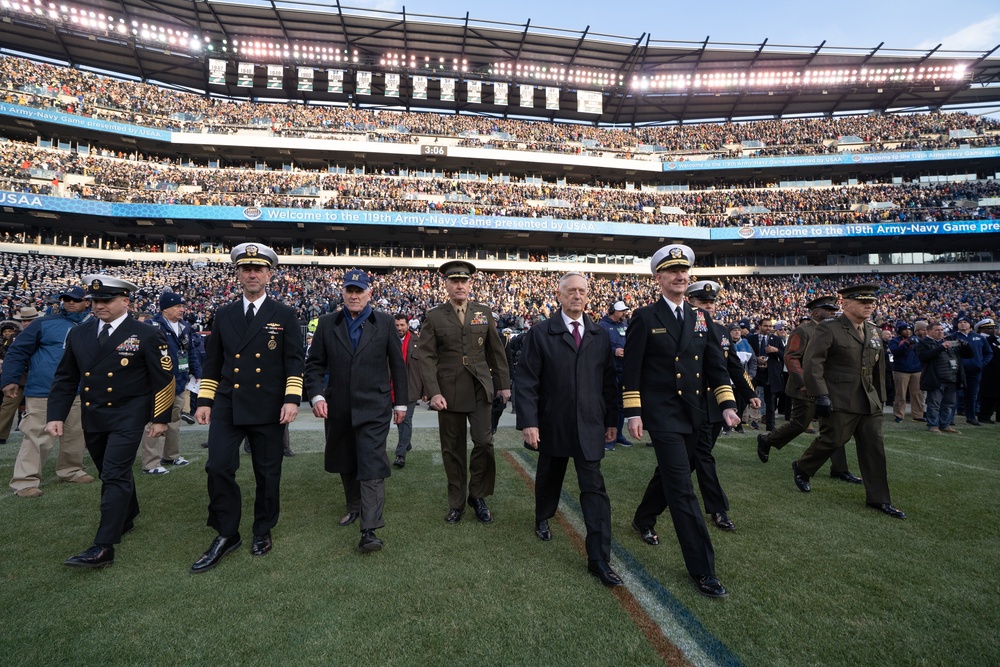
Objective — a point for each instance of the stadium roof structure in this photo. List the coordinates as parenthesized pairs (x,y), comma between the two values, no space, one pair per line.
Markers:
(632,80)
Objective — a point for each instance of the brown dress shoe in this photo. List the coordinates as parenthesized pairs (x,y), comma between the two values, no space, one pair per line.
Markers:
(81,479)
(30,492)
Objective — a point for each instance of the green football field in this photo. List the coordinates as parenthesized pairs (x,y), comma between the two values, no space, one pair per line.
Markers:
(814,579)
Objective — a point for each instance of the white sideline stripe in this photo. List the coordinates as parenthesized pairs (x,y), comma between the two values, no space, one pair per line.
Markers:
(664,619)
(940,460)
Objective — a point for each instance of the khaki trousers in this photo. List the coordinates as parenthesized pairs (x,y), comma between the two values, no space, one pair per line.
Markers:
(911,382)
(37,444)
(8,411)
(169,446)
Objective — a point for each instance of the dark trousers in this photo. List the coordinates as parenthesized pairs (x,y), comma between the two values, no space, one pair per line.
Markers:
(834,432)
(988,406)
(405,430)
(621,437)
(703,465)
(366,497)
(769,405)
(802,414)
(971,396)
(114,454)
(225,503)
(671,487)
(594,500)
(479,475)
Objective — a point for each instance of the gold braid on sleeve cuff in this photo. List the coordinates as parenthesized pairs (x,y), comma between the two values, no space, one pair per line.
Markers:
(207,389)
(293,386)
(724,393)
(631,399)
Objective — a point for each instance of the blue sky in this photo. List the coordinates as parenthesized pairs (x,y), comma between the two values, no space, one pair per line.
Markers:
(968,25)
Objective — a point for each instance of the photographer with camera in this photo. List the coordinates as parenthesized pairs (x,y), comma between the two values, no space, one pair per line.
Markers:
(943,374)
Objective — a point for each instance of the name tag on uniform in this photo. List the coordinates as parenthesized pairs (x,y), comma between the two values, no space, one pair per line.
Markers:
(658,331)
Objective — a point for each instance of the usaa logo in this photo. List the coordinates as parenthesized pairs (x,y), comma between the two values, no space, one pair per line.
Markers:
(746,232)
(18,199)
(251,213)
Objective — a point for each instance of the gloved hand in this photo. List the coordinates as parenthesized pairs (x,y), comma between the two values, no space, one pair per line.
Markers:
(824,407)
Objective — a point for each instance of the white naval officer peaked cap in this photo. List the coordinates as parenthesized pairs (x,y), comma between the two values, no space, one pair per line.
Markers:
(256,254)
(704,290)
(101,286)
(672,255)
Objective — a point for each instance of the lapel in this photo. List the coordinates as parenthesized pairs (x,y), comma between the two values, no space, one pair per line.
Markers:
(91,348)
(126,328)
(687,327)
(339,331)
(591,327)
(558,328)
(367,332)
(665,314)
(852,330)
(263,314)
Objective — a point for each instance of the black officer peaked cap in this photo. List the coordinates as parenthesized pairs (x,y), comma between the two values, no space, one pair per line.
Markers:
(829,302)
(457,268)
(865,292)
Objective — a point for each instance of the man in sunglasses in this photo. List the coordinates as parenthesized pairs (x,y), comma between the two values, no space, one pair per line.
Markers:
(36,352)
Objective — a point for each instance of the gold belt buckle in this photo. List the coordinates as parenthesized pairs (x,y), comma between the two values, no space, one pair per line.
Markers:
(465,360)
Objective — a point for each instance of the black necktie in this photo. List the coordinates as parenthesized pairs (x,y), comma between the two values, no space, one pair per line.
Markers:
(105,334)
(679,313)
(249,313)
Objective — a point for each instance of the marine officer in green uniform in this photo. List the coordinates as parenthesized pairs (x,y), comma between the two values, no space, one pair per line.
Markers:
(844,371)
(463,364)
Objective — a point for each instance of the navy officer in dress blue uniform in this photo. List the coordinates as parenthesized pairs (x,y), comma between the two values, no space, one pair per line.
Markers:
(123,372)
(251,387)
(673,355)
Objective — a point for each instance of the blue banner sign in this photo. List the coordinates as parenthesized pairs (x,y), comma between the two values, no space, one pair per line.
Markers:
(832,160)
(75,120)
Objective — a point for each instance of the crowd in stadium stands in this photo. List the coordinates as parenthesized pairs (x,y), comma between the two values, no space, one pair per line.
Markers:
(519,298)
(140,179)
(29,83)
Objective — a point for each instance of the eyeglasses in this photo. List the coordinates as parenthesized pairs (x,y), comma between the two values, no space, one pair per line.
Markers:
(69,299)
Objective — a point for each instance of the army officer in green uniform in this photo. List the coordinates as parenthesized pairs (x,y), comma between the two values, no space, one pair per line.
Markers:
(844,371)
(463,364)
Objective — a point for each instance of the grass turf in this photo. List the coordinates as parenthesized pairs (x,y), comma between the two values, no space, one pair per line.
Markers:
(814,579)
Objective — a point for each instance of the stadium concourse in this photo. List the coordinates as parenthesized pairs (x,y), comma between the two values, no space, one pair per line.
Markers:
(520,298)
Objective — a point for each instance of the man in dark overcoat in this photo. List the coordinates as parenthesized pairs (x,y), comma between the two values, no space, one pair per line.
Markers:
(358,349)
(568,408)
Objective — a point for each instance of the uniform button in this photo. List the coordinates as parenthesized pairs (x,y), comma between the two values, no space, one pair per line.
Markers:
(696,357)
(236,386)
(677,358)
(237,356)
(257,355)
(678,376)
(86,388)
(87,374)
(109,405)
(697,391)
(109,390)
(258,370)
(87,404)
(679,392)
(257,386)
(697,375)
(111,375)
(236,370)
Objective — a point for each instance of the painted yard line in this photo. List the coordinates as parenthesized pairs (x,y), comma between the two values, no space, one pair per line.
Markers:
(940,460)
(669,626)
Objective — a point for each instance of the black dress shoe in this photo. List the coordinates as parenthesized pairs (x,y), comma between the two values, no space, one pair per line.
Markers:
(220,547)
(246,446)
(369,542)
(128,527)
(885,508)
(763,449)
(723,522)
(801,481)
(93,557)
(986,420)
(454,515)
(289,452)
(482,511)
(647,534)
(409,447)
(972,422)
(261,544)
(542,530)
(399,462)
(349,518)
(603,571)
(846,476)
(709,586)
